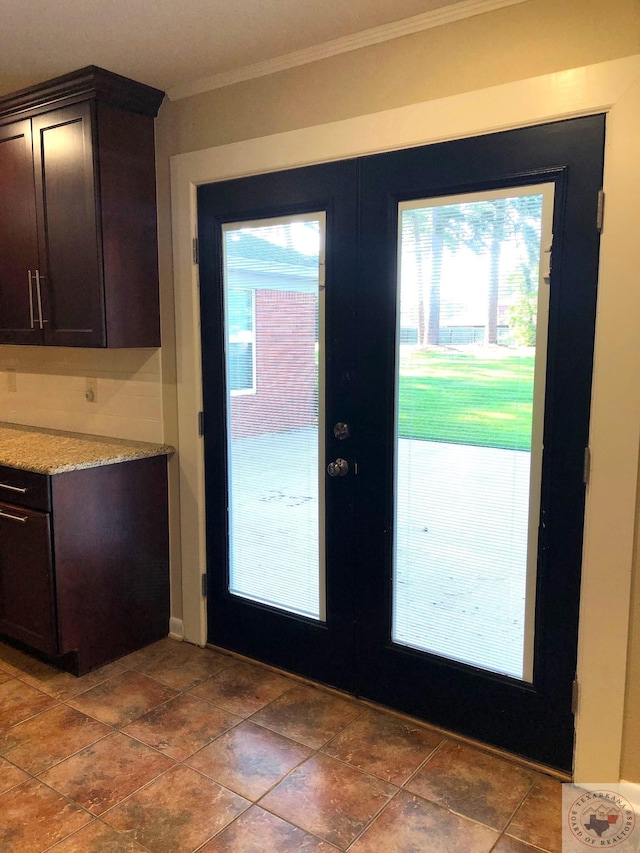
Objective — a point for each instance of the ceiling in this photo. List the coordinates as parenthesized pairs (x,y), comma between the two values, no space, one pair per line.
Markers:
(173,43)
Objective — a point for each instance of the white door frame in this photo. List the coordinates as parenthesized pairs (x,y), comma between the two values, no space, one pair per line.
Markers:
(612,87)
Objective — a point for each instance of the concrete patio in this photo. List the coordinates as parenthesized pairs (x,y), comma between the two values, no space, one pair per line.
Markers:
(460,542)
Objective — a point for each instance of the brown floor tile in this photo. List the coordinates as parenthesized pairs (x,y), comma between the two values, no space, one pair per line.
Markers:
(510,845)
(154,651)
(52,736)
(177,812)
(97,837)
(103,774)
(473,783)
(243,689)
(14,661)
(124,698)
(133,660)
(33,817)
(178,664)
(19,701)
(539,820)
(249,759)
(344,797)
(63,685)
(257,831)
(329,799)
(384,745)
(10,776)
(411,824)
(181,726)
(308,715)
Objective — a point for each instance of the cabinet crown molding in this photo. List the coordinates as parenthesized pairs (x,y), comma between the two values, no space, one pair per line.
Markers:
(90,83)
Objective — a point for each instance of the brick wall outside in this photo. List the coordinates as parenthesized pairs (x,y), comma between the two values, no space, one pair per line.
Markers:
(285,395)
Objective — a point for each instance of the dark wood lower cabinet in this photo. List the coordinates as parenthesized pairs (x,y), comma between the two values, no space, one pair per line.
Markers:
(27,606)
(84,576)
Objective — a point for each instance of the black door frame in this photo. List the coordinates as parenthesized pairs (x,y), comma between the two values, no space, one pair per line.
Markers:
(568,392)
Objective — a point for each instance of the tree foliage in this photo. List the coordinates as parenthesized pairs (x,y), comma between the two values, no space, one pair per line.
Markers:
(485,228)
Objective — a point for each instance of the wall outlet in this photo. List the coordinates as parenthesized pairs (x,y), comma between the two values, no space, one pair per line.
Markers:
(91,390)
(12,384)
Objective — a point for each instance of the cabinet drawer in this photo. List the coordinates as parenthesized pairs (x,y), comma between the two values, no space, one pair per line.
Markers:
(25,488)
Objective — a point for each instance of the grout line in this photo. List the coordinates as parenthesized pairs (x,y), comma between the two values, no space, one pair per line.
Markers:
(374,818)
(425,761)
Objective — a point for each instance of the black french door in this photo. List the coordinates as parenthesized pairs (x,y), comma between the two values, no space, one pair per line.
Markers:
(397,355)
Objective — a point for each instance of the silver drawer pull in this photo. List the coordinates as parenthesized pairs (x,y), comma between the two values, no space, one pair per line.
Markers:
(21,518)
(13,488)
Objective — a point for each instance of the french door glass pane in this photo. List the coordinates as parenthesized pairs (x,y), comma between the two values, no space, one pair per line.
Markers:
(274,354)
(471,348)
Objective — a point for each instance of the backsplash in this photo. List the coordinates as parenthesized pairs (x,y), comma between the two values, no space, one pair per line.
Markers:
(116,393)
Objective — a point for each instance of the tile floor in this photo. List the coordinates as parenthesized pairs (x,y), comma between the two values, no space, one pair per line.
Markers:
(177,749)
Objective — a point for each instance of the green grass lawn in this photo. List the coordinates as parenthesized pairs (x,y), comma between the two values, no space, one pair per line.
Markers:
(462,399)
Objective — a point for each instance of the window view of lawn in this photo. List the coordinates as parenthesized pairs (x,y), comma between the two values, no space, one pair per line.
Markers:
(464,399)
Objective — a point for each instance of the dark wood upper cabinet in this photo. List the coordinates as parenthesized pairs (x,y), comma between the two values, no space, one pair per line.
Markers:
(78,240)
(18,235)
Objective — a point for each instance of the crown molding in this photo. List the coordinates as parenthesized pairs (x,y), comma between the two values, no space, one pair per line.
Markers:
(82,85)
(375,35)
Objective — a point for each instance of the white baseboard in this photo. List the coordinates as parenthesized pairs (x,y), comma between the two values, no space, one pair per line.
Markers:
(176,628)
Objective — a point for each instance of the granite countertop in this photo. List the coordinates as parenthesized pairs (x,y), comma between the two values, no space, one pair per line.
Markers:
(54,452)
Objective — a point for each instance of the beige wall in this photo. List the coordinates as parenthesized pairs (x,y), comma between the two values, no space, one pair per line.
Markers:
(46,387)
(527,40)
(517,42)
(631,758)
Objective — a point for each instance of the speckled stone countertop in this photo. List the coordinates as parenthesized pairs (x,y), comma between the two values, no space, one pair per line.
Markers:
(53,451)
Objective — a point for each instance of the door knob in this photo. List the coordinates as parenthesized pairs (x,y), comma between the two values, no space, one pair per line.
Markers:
(338,468)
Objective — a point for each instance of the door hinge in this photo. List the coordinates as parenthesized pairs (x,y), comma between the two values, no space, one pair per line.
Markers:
(575,695)
(196,250)
(600,212)
(203,585)
(586,466)
(200,423)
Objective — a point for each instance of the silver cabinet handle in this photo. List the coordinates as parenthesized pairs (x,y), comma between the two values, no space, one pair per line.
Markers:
(20,518)
(39,295)
(14,488)
(30,299)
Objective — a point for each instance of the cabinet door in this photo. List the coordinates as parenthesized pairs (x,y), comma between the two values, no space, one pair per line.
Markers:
(18,237)
(27,609)
(68,227)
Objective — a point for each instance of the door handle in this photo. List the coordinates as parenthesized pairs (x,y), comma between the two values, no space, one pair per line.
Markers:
(339,468)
